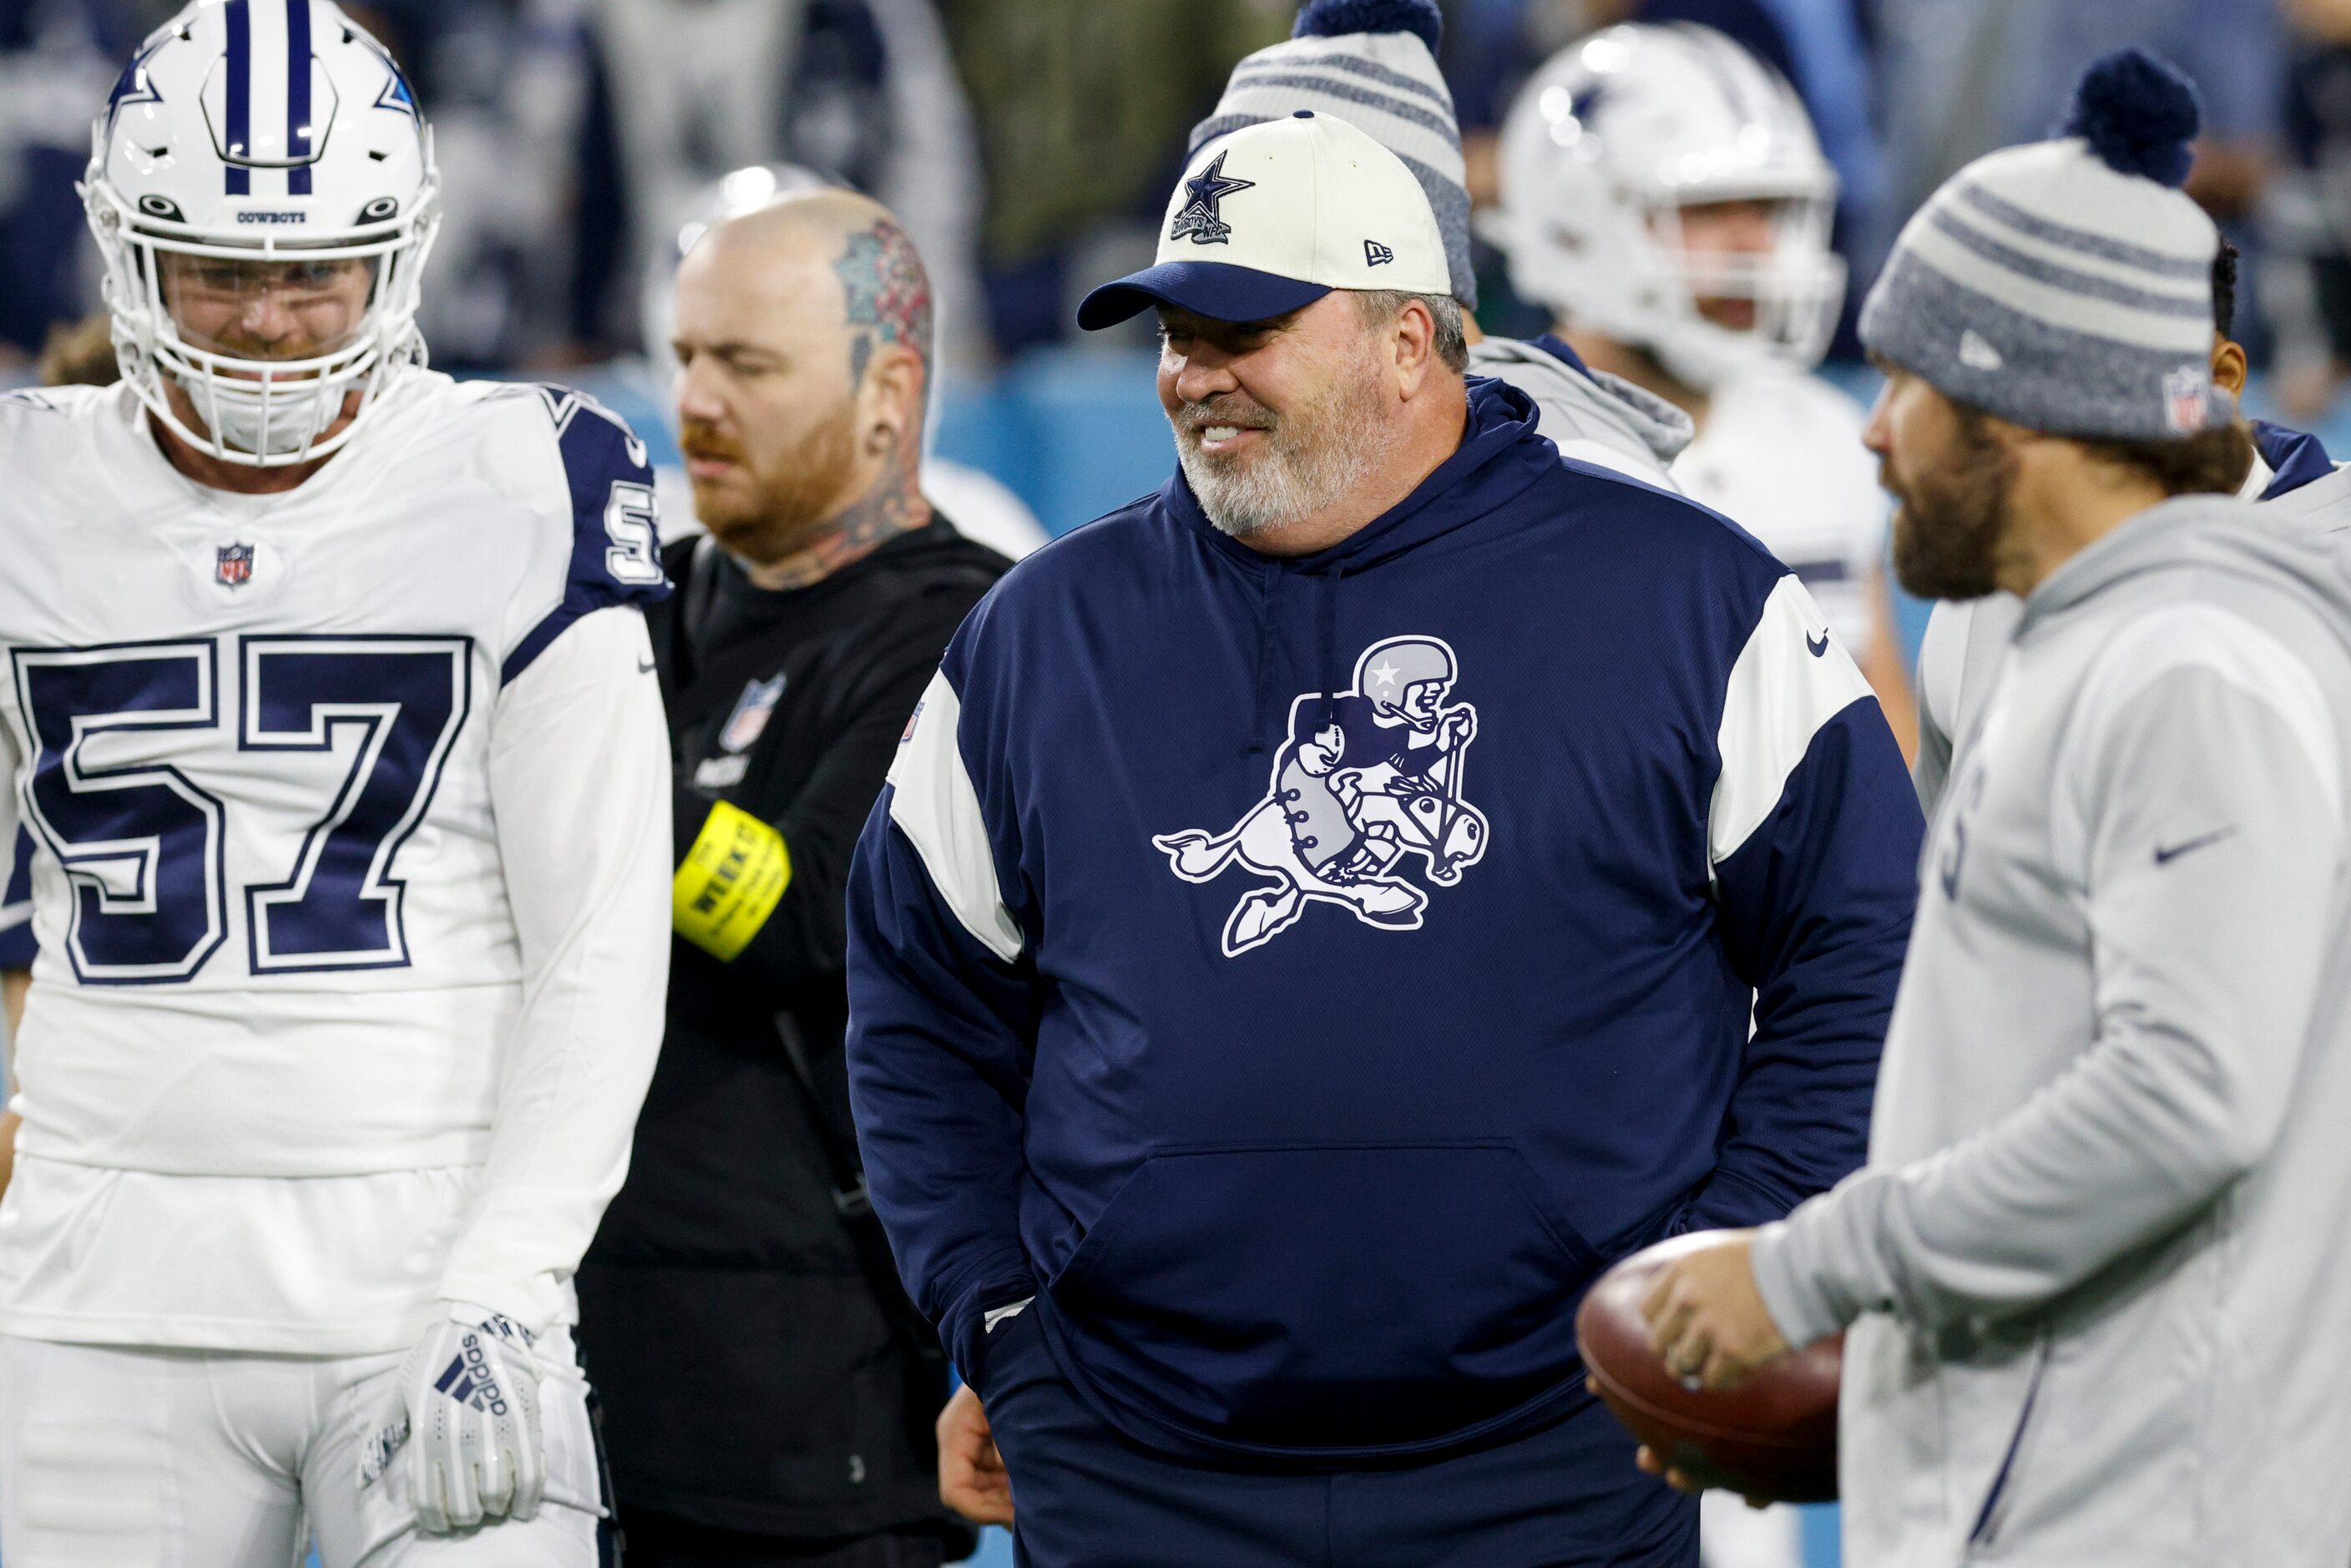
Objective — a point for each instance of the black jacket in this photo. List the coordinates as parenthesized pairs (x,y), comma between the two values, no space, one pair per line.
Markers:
(753,1376)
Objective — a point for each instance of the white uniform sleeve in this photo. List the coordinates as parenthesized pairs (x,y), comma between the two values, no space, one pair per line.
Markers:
(2202,814)
(580,781)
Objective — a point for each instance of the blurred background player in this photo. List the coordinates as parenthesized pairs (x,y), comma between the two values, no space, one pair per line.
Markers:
(1664,196)
(810,618)
(331,715)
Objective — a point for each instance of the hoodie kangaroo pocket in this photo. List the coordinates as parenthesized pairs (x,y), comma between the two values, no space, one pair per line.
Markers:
(1328,1296)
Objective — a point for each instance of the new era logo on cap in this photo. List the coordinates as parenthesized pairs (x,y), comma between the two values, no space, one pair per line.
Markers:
(1285,204)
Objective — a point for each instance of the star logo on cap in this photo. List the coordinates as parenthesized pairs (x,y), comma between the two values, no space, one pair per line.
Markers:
(1200,219)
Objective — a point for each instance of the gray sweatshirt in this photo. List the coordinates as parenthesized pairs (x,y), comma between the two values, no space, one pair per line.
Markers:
(1590,416)
(2094,1272)
(1966,639)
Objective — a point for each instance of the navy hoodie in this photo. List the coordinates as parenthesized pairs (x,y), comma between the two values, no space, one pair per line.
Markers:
(1303,975)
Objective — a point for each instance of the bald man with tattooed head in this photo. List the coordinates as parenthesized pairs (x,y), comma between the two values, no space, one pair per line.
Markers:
(769,1389)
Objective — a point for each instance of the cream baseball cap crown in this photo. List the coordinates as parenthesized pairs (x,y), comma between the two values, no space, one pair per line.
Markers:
(1276,215)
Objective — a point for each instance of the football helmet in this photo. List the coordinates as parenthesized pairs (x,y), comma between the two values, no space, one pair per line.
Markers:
(251,146)
(1601,153)
(1406,678)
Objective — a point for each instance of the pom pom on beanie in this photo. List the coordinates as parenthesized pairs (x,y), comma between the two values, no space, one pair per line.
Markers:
(2139,115)
(1332,18)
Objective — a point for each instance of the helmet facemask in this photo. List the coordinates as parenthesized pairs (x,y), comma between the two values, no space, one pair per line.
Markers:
(1736,308)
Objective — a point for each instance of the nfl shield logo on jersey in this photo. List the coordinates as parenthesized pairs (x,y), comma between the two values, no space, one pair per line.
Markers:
(750,716)
(232,566)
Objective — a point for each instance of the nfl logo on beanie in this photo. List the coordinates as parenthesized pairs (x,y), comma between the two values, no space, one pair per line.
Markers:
(2066,286)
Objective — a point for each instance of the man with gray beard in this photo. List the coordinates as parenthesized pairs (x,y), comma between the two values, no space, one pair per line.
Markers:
(1313,921)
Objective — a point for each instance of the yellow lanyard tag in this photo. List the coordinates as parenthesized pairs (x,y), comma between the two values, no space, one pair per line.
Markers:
(729,881)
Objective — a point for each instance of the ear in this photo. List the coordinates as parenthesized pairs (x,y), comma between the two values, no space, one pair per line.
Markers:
(1412,342)
(2228,366)
(890,403)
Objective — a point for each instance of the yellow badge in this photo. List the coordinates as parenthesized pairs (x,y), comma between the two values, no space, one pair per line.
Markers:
(729,881)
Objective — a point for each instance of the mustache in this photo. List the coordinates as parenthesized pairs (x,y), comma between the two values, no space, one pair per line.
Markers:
(700,441)
(1227,408)
(1891,482)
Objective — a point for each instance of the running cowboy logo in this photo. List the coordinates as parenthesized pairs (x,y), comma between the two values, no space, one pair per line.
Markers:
(1364,777)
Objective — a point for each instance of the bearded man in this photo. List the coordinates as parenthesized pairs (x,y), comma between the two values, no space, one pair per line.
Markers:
(1252,1184)
(770,1392)
(2083,1277)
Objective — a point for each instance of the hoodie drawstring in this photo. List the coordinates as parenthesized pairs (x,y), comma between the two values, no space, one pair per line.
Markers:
(1326,651)
(1270,726)
(1266,719)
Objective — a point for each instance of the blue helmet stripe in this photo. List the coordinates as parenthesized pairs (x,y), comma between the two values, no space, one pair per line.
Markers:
(240,96)
(298,95)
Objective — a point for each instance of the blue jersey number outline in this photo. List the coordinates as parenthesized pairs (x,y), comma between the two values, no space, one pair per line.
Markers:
(139,844)
(341,908)
(142,844)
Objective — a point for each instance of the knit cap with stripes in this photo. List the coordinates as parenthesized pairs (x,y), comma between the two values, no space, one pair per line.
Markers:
(1371,62)
(2066,286)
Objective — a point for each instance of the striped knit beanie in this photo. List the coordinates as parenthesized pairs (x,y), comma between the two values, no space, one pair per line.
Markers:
(1371,62)
(2066,286)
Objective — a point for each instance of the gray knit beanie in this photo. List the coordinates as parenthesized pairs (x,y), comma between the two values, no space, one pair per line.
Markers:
(2066,286)
(1371,62)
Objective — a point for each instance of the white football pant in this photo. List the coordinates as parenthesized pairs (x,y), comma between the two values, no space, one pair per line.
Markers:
(114,1457)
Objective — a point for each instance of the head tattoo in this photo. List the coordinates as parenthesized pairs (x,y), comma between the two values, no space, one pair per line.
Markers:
(887,293)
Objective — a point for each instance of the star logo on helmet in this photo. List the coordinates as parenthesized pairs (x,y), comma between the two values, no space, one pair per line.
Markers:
(397,97)
(134,85)
(1202,218)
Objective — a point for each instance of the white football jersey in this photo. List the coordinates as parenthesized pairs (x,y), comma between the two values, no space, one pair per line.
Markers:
(350,817)
(1780,454)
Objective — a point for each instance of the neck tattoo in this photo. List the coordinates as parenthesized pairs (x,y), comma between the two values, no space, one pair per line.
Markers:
(893,506)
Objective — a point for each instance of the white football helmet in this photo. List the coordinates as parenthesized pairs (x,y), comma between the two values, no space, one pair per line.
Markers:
(1601,150)
(255,136)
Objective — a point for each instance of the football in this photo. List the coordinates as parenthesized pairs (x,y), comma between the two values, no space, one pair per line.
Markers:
(1773,1436)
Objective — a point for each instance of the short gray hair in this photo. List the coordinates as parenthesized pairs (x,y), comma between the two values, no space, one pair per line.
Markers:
(1379,307)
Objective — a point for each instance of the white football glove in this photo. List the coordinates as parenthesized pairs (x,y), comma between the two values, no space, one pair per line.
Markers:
(467,1408)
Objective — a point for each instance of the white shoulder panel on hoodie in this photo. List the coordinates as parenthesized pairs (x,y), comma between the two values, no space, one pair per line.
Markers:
(934,804)
(1791,679)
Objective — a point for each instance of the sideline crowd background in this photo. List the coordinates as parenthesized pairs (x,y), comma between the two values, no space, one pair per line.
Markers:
(1029,146)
